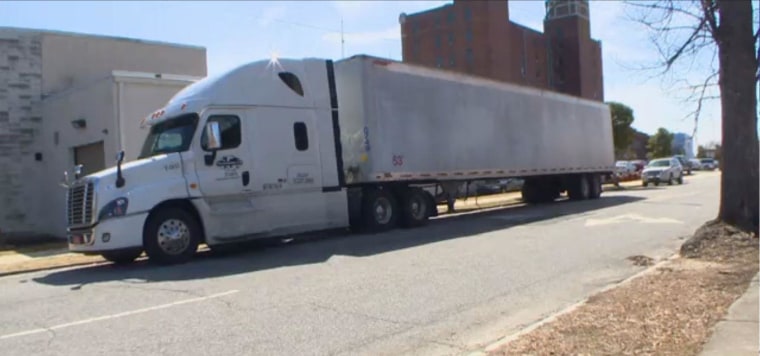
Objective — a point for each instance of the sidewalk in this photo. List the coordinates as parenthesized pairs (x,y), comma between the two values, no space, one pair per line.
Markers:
(738,333)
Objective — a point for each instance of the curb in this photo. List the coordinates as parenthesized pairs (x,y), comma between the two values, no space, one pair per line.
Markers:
(40,269)
(546,320)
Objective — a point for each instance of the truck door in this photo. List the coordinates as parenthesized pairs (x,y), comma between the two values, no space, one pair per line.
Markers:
(224,179)
(287,171)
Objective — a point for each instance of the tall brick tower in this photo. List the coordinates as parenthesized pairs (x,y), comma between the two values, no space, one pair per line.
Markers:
(574,59)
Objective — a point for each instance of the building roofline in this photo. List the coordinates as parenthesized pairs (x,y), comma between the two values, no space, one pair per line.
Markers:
(428,11)
(84,35)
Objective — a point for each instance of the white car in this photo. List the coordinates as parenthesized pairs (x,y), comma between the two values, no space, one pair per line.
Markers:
(663,170)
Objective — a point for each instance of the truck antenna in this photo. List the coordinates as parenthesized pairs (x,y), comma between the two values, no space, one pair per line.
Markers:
(342,40)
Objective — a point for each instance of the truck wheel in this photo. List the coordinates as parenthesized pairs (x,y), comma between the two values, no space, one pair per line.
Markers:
(171,236)
(579,189)
(415,207)
(379,210)
(596,186)
(122,257)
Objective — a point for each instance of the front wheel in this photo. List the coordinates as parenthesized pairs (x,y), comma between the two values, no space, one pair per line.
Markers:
(680,179)
(171,236)
(670,179)
(415,207)
(122,257)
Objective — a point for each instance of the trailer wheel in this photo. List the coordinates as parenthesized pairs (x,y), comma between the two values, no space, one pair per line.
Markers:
(379,210)
(579,189)
(415,207)
(171,236)
(596,186)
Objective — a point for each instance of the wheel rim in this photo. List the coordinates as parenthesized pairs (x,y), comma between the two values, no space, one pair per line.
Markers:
(173,236)
(417,208)
(383,211)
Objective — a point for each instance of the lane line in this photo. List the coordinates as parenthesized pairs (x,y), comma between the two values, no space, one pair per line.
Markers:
(117,315)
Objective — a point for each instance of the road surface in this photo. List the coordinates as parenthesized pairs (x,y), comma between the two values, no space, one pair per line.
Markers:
(449,288)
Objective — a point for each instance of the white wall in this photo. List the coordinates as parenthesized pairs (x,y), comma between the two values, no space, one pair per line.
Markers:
(93,103)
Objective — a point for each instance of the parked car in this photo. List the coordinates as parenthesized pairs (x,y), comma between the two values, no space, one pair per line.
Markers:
(640,164)
(625,169)
(685,165)
(695,164)
(662,170)
(709,164)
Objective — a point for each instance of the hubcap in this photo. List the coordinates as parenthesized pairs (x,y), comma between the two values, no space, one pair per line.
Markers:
(383,211)
(417,208)
(173,236)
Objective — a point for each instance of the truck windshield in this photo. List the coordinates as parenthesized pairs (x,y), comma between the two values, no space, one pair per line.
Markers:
(172,135)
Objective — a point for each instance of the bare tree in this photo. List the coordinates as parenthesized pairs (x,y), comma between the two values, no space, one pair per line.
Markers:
(689,33)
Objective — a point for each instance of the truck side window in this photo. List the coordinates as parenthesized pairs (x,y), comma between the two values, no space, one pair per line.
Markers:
(301,136)
(229,128)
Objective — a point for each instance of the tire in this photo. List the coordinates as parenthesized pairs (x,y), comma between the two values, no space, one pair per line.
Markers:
(680,179)
(415,207)
(375,220)
(579,189)
(164,249)
(656,183)
(644,184)
(670,179)
(596,186)
(122,257)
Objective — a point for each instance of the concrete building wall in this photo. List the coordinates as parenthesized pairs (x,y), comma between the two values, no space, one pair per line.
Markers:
(93,103)
(49,79)
(76,59)
(112,108)
(20,124)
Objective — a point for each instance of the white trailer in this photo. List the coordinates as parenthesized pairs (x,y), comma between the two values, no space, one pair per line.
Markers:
(295,146)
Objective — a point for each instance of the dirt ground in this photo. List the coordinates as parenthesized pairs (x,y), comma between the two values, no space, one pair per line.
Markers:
(669,311)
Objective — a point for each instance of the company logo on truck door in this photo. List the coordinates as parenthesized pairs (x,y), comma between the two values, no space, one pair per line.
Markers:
(230,165)
(229,162)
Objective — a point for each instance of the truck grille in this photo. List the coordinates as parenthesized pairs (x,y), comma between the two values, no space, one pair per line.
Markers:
(80,204)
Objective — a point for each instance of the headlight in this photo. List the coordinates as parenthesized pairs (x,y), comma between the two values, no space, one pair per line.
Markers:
(117,207)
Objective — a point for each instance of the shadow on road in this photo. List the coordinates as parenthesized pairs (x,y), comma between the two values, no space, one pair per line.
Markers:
(278,253)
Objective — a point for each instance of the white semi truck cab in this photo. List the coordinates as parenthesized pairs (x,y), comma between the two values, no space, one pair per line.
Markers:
(264,150)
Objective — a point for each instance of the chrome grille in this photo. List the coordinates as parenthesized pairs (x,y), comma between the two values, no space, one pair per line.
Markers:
(80,204)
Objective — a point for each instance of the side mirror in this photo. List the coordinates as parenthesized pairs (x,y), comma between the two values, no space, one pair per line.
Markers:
(78,170)
(213,136)
(213,141)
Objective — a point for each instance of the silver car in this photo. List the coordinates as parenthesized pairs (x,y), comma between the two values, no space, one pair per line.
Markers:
(662,170)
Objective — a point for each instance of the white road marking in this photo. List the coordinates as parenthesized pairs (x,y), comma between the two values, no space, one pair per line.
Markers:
(117,315)
(631,217)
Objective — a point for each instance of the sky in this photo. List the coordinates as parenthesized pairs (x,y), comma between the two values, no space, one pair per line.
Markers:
(238,32)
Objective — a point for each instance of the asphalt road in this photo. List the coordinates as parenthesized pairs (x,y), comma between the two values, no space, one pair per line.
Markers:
(448,288)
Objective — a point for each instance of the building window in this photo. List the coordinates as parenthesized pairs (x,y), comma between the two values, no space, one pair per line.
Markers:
(468,35)
(301,136)
(467,14)
(437,41)
(451,39)
(468,56)
(439,62)
(450,17)
(452,62)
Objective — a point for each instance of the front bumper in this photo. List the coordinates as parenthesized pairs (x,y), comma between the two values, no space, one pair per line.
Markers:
(646,178)
(112,234)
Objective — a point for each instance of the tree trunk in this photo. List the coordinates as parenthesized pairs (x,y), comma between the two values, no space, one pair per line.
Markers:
(738,67)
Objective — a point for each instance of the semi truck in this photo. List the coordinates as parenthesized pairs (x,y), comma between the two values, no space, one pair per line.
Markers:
(294,146)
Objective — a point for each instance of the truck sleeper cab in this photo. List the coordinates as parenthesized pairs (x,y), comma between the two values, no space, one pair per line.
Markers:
(266,150)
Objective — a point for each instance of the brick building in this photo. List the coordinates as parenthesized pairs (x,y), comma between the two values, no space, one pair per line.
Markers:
(477,37)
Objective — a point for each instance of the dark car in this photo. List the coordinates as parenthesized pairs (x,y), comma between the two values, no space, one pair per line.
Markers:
(685,163)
